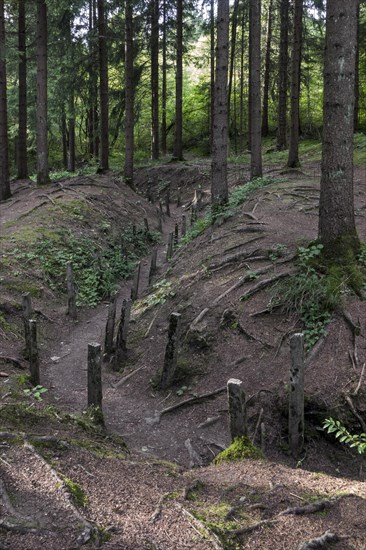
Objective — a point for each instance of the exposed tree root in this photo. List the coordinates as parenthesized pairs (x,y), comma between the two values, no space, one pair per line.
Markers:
(159,508)
(15,362)
(250,336)
(355,413)
(25,214)
(320,542)
(127,377)
(360,381)
(311,508)
(201,528)
(251,528)
(264,284)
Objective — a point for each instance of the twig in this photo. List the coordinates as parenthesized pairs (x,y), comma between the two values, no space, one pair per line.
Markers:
(263,284)
(360,381)
(353,409)
(150,325)
(311,508)
(257,425)
(127,377)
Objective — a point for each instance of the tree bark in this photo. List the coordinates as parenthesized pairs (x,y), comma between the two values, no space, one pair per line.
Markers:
(71,121)
(267,72)
(103,86)
(293,154)
(357,75)
(283,77)
(212,69)
(163,84)
(22,168)
(42,138)
(255,88)
(337,229)
(234,24)
(154,79)
(129,95)
(4,159)
(219,186)
(178,137)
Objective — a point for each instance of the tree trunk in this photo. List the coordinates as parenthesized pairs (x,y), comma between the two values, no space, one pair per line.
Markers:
(71,121)
(219,187)
(22,169)
(255,88)
(241,102)
(283,77)
(64,137)
(178,138)
(103,86)
(154,79)
(4,160)
(163,84)
(42,138)
(357,75)
(267,72)
(293,154)
(234,24)
(129,97)
(337,229)
(212,68)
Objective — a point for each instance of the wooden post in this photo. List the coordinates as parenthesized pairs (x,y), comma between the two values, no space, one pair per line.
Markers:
(184,226)
(237,408)
(134,231)
(193,215)
(27,315)
(160,221)
(178,197)
(146,223)
(153,264)
(135,283)
(176,234)
(171,351)
(296,395)
(94,375)
(71,292)
(167,202)
(122,332)
(169,250)
(109,329)
(33,353)
(161,211)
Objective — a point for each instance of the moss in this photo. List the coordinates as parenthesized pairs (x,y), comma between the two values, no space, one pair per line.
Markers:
(23,286)
(76,492)
(26,414)
(240,449)
(98,449)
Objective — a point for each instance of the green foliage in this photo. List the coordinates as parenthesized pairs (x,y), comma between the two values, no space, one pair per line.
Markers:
(340,432)
(196,229)
(242,192)
(36,392)
(76,492)
(160,292)
(240,449)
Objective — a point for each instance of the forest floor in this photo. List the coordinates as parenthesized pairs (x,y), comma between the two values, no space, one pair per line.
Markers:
(163,493)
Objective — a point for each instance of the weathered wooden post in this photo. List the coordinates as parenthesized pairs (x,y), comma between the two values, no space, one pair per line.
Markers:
(184,226)
(109,329)
(237,408)
(161,211)
(33,353)
(146,224)
(171,351)
(95,392)
(134,230)
(176,234)
(169,250)
(193,215)
(178,197)
(27,315)
(160,220)
(71,292)
(152,270)
(122,332)
(296,395)
(136,283)
(167,202)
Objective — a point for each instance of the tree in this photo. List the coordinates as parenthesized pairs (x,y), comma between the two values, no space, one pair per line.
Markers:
(255,88)
(42,139)
(267,72)
(293,154)
(282,77)
(219,187)
(129,95)
(22,168)
(178,136)
(154,6)
(103,86)
(4,160)
(337,230)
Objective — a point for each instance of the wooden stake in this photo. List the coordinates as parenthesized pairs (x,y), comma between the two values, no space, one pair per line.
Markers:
(176,234)
(146,223)
(237,408)
(136,283)
(184,226)
(178,197)
(296,396)
(71,292)
(160,221)
(33,353)
(161,211)
(171,351)
(27,315)
(122,332)
(169,251)
(167,202)
(109,329)
(153,264)
(94,375)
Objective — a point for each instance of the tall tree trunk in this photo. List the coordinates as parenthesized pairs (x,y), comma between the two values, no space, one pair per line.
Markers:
(103,86)
(71,121)
(163,84)
(4,152)
(219,187)
(234,24)
(357,75)
(293,154)
(64,138)
(241,102)
(178,137)
(255,88)
(22,168)
(42,138)
(267,72)
(154,79)
(283,77)
(212,68)
(337,229)
(129,97)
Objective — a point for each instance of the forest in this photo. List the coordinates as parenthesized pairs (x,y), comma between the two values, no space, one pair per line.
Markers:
(182,274)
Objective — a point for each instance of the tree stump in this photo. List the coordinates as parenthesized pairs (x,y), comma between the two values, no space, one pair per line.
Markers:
(152,270)
(171,351)
(71,292)
(169,250)
(176,235)
(237,408)
(33,353)
(136,283)
(94,375)
(296,395)
(122,332)
(184,226)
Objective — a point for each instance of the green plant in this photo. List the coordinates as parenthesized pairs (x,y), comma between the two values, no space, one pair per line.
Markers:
(161,291)
(76,492)
(240,449)
(36,392)
(277,251)
(183,389)
(357,441)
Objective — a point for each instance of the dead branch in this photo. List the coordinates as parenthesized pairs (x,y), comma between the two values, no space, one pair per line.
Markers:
(264,284)
(360,381)
(266,311)
(19,527)
(127,377)
(320,542)
(201,528)
(311,508)
(355,329)
(159,508)
(15,362)
(354,411)
(245,279)
(251,528)
(252,337)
